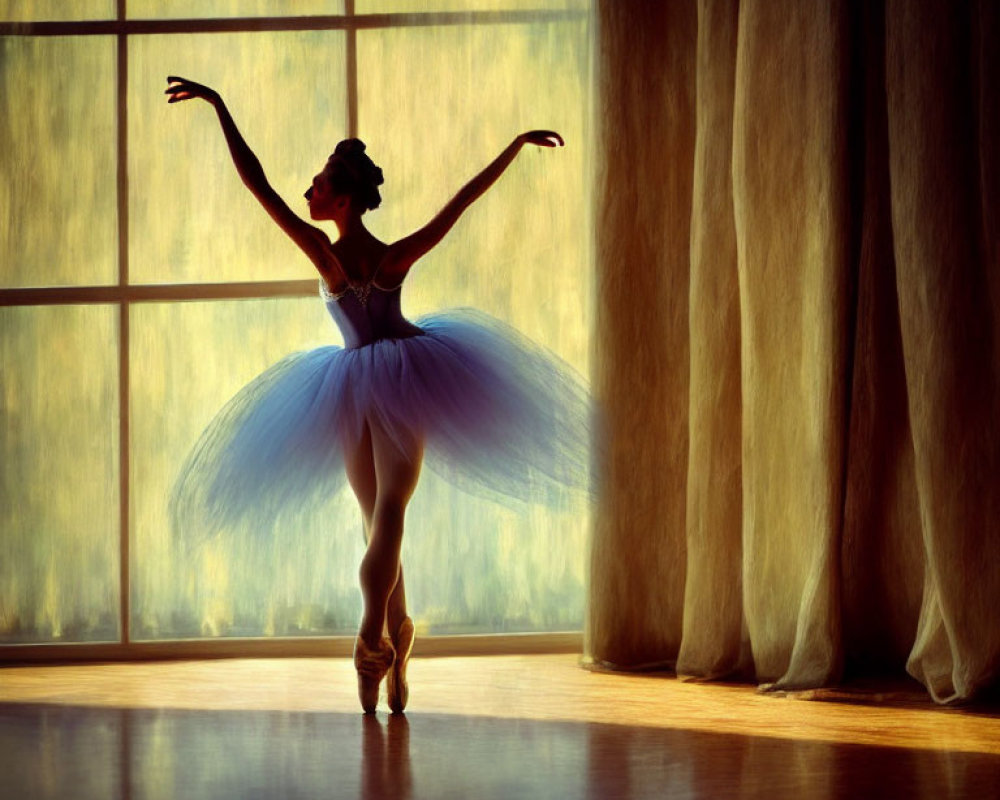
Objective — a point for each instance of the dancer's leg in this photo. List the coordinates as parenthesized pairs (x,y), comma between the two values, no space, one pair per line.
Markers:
(360,464)
(396,474)
(383,478)
(395,612)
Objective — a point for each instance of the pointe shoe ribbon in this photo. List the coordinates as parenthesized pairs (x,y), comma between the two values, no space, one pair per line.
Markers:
(372,666)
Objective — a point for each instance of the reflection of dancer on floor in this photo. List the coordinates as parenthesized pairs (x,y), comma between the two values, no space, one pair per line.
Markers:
(386,770)
(395,386)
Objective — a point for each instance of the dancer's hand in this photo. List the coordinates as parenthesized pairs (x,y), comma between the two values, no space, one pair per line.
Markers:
(183,89)
(541,138)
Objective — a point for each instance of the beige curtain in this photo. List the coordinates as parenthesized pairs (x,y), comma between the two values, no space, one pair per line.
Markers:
(798,345)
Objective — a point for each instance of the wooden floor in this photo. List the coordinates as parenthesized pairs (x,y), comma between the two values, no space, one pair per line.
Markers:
(487,727)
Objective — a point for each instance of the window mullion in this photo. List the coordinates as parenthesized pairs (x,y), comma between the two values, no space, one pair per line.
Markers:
(124,526)
(351,69)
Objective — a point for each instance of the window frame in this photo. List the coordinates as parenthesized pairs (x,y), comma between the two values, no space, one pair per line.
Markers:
(124,295)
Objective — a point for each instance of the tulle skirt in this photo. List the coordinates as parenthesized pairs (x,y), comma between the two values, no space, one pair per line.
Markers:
(497,414)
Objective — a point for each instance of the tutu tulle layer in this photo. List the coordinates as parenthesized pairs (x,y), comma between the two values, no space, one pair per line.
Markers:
(498,416)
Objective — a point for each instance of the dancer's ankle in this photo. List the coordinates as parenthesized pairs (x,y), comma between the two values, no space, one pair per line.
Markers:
(371,636)
(393,626)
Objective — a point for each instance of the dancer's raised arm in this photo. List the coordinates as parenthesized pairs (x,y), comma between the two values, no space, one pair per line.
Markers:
(313,241)
(405,252)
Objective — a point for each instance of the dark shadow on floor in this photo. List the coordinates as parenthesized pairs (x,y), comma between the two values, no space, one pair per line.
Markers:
(57,751)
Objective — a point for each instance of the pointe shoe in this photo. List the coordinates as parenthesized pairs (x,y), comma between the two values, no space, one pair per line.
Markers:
(372,665)
(396,686)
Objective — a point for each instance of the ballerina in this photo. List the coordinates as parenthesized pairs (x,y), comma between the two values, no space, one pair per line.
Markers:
(494,412)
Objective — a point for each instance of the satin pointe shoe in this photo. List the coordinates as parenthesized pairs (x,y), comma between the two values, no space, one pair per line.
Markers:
(372,666)
(396,686)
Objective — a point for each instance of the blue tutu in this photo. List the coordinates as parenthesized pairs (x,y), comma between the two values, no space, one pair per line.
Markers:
(499,416)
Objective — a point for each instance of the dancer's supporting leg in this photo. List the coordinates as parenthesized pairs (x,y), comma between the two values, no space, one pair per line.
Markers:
(395,477)
(361,475)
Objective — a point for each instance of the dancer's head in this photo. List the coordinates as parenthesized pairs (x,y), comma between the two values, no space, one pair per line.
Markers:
(350,177)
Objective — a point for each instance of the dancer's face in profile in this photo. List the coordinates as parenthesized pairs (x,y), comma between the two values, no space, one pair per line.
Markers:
(324,202)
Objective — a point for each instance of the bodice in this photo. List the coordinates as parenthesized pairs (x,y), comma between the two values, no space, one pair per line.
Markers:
(368,313)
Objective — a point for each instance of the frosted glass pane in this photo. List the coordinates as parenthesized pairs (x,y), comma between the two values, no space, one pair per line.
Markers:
(55,10)
(191,218)
(59,517)
(522,252)
(187,360)
(194,9)
(412,6)
(57,161)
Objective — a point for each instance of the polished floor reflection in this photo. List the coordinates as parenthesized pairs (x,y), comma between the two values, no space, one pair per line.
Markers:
(532,728)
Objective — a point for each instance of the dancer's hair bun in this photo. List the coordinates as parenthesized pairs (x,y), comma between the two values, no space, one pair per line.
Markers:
(353,172)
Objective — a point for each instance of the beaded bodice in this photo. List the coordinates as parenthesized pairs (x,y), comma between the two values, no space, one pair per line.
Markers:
(366,313)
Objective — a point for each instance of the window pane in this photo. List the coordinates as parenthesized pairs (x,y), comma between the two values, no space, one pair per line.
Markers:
(57,161)
(191,219)
(523,251)
(55,10)
(187,360)
(195,9)
(59,494)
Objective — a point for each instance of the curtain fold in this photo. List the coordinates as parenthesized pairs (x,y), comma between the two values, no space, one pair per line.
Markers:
(713,642)
(798,342)
(643,362)
(942,151)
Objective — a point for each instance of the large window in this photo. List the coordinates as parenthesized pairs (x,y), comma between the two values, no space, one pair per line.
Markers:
(142,286)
